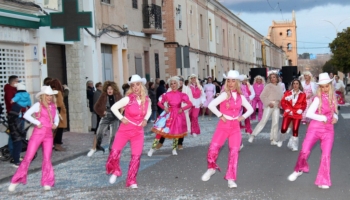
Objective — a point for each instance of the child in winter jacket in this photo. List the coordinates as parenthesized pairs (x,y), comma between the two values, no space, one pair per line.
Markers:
(22,97)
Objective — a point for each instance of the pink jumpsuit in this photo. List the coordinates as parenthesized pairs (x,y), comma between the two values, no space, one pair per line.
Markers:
(40,136)
(227,130)
(258,88)
(135,113)
(324,132)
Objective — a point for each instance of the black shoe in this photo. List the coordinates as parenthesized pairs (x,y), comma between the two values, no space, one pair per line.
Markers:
(338,107)
(99,148)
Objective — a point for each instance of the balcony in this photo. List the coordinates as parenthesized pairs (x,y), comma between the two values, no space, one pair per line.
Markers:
(152,19)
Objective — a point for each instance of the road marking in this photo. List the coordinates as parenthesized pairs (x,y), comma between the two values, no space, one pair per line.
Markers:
(345,115)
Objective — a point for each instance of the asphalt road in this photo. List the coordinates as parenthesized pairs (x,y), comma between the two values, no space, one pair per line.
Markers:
(262,172)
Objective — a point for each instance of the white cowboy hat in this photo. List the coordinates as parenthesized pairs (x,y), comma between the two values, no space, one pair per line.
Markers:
(136,78)
(243,77)
(232,74)
(46,90)
(323,78)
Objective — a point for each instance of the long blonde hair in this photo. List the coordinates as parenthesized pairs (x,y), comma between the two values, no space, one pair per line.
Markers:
(237,87)
(43,102)
(332,100)
(259,77)
(144,93)
(197,81)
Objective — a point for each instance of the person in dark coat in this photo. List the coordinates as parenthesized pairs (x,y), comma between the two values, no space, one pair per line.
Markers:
(152,95)
(90,96)
(160,91)
(97,95)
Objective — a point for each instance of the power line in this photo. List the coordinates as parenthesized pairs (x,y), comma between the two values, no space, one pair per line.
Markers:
(270,5)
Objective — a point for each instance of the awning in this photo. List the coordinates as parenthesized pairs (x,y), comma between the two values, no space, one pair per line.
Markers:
(22,20)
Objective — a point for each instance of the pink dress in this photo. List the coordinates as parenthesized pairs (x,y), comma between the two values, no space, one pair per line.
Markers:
(172,124)
(210,91)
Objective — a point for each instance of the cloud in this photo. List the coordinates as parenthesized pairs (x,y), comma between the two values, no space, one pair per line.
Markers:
(270,6)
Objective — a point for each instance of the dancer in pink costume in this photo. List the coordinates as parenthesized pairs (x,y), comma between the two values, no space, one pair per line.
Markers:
(196,94)
(137,110)
(171,123)
(323,114)
(310,88)
(271,97)
(249,94)
(258,86)
(46,119)
(231,101)
(210,91)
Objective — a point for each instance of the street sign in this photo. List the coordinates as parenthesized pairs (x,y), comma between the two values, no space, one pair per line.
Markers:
(71,20)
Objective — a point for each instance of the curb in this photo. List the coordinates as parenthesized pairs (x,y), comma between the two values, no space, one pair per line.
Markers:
(68,158)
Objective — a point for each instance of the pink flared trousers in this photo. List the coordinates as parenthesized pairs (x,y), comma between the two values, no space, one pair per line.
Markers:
(226,130)
(325,133)
(44,137)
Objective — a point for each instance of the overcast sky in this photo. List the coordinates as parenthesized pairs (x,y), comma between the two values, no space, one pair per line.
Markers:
(313,33)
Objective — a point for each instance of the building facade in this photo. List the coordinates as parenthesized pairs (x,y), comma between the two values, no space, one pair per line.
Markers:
(205,38)
(284,35)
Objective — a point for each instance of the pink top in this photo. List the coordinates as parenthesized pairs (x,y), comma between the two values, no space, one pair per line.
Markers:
(258,88)
(134,111)
(174,100)
(245,91)
(196,92)
(231,107)
(44,117)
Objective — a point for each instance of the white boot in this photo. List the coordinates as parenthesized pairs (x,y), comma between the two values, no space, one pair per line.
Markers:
(294,176)
(293,143)
(47,188)
(231,184)
(113,179)
(251,138)
(12,187)
(206,176)
(174,152)
(150,152)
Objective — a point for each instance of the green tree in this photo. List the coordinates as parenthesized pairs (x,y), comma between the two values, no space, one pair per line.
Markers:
(340,47)
(329,67)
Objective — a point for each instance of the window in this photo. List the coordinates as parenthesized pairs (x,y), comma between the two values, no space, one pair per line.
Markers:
(201,24)
(210,31)
(217,34)
(106,1)
(239,44)
(289,46)
(134,4)
(289,33)
(223,37)
(179,17)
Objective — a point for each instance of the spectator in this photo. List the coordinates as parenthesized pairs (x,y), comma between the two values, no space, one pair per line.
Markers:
(153,97)
(47,80)
(10,91)
(22,97)
(55,84)
(160,90)
(97,95)
(90,96)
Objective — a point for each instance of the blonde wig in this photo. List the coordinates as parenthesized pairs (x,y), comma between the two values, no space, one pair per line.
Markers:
(143,95)
(197,81)
(273,73)
(236,87)
(259,77)
(176,79)
(332,100)
(308,73)
(43,102)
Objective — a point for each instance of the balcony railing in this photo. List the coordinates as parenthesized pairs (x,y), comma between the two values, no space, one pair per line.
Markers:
(152,19)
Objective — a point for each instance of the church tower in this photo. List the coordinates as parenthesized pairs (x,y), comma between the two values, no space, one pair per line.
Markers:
(284,35)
